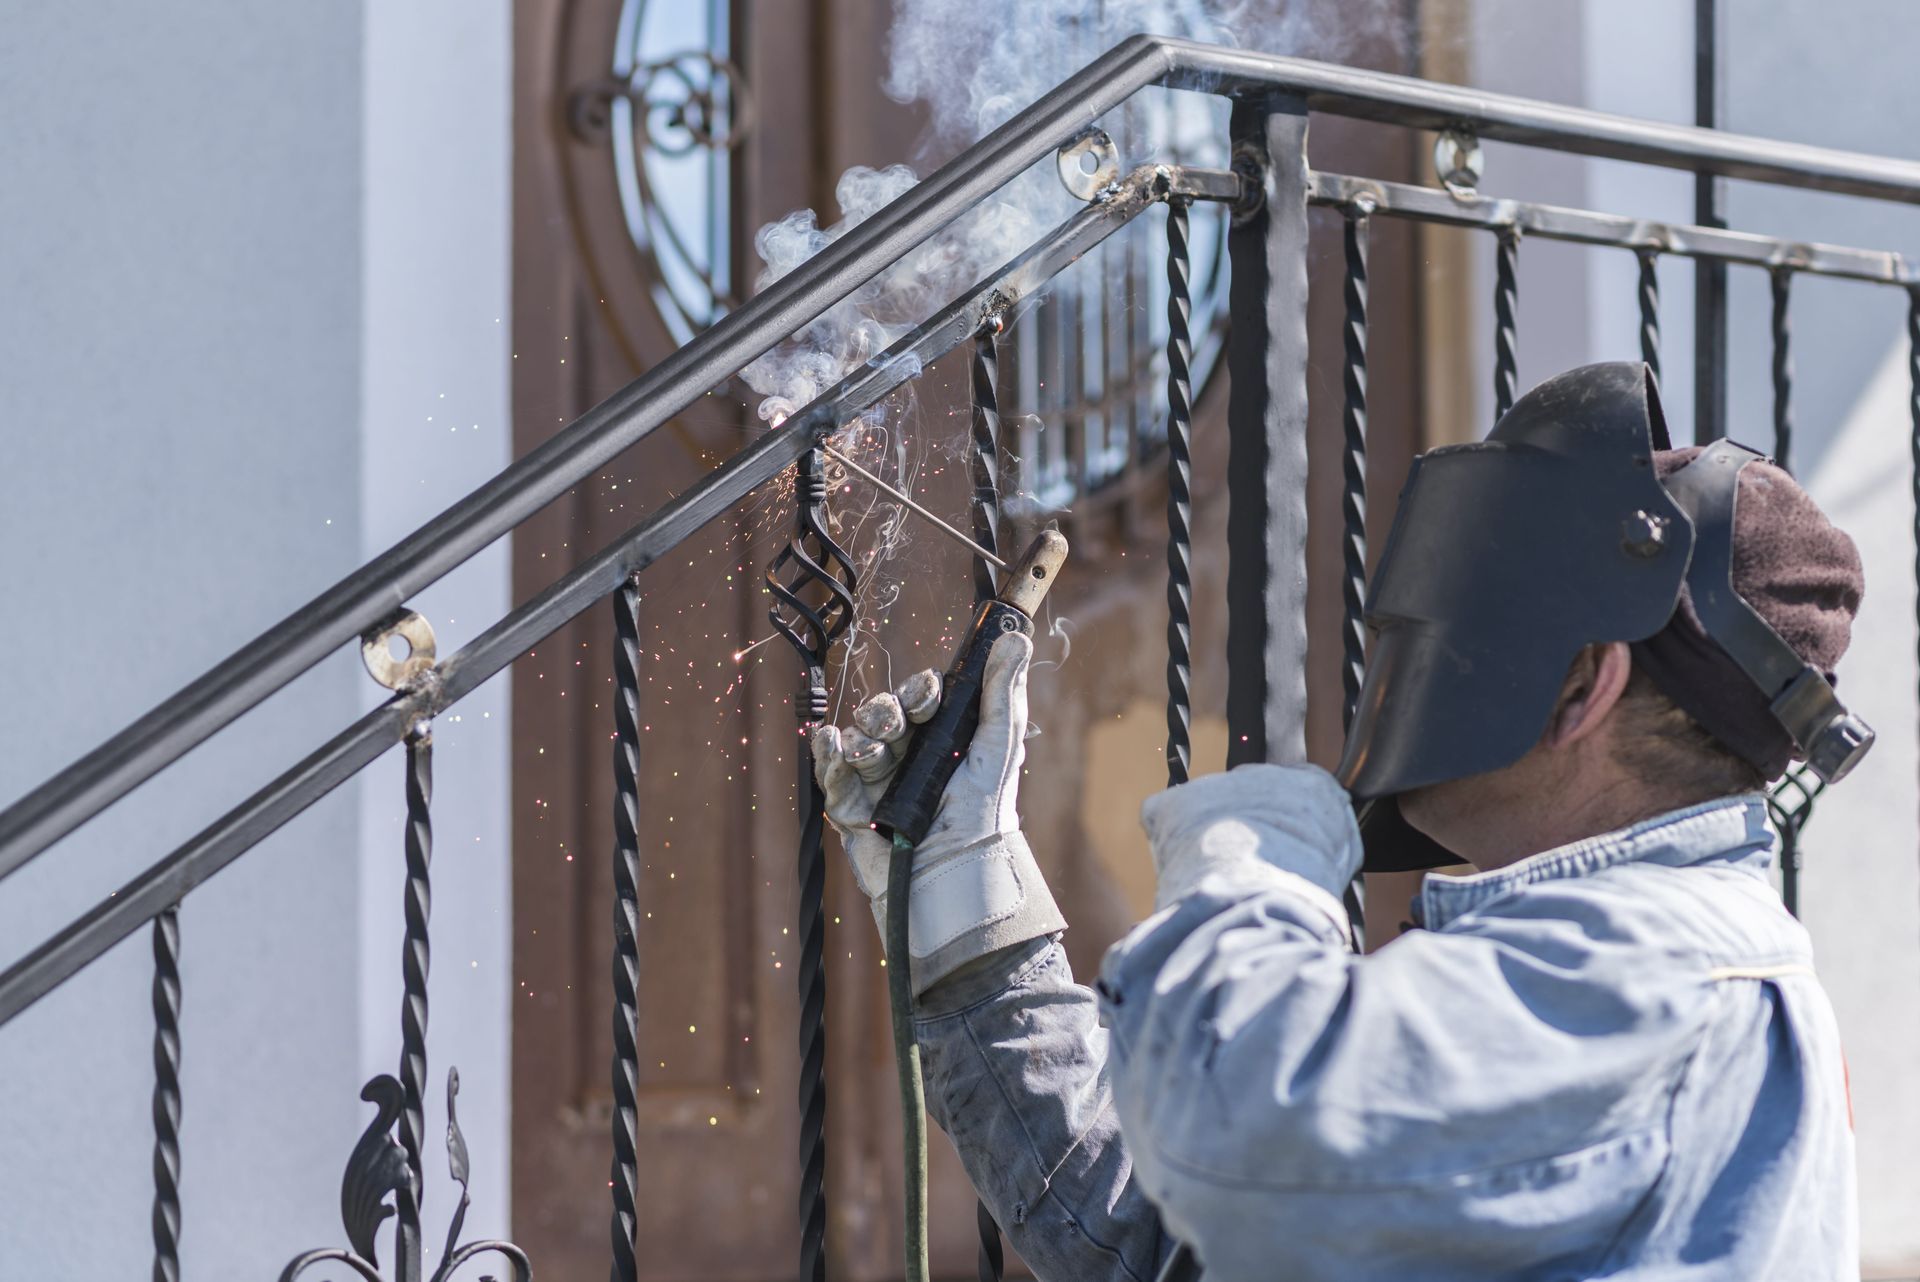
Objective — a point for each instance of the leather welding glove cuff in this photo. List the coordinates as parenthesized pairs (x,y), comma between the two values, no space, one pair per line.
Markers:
(976,886)
(1287,827)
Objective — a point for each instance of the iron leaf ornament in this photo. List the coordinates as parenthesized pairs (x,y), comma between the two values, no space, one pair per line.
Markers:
(377,1170)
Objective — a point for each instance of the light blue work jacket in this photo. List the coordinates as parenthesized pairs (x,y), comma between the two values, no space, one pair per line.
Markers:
(1610,1060)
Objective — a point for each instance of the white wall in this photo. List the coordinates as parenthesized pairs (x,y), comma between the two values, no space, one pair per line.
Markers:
(1838,76)
(435,357)
(245,244)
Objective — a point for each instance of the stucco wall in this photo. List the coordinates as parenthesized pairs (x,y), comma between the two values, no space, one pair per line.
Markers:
(245,245)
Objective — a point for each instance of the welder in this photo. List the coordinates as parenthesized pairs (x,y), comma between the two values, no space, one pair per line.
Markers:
(1602,1054)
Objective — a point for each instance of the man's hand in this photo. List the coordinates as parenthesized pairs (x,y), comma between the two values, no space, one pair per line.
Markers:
(1294,818)
(976,888)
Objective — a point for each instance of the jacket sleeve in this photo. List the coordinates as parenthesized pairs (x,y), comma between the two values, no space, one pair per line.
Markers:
(1503,1086)
(1016,1074)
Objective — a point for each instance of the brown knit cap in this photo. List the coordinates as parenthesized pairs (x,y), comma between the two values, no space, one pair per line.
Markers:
(1799,572)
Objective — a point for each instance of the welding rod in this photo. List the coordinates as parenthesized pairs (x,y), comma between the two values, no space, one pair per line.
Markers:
(891,492)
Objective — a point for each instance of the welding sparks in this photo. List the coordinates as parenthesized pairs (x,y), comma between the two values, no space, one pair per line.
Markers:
(738,655)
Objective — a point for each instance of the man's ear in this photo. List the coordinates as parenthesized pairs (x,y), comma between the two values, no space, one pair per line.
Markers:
(1594,685)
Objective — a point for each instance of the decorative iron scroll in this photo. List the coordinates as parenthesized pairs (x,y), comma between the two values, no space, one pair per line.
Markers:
(810,566)
(1790,802)
(384,1165)
(656,116)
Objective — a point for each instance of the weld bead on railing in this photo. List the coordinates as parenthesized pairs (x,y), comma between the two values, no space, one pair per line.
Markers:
(626,926)
(985,464)
(1506,297)
(1650,310)
(1782,282)
(166,1096)
(415,957)
(818,567)
(1179,494)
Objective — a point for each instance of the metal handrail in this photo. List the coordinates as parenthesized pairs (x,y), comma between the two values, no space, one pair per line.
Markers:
(377,589)
(340,758)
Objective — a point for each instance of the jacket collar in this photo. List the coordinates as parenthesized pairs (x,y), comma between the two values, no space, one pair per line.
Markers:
(1732,831)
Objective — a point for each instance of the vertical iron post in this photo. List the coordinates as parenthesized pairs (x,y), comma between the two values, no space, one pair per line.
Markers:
(1789,819)
(810,707)
(1781,281)
(1913,438)
(1354,462)
(166,1096)
(1179,493)
(819,568)
(984,462)
(1357,230)
(1709,210)
(992,1263)
(414,960)
(626,923)
(1267,438)
(984,459)
(1650,310)
(1506,300)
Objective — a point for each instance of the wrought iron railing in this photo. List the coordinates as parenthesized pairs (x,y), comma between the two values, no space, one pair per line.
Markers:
(1270,189)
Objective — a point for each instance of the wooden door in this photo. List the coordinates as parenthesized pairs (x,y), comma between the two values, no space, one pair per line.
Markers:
(719,1125)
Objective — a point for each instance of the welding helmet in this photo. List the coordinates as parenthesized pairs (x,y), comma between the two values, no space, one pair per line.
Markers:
(1508,556)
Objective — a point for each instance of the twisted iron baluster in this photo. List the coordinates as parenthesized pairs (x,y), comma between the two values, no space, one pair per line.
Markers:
(1354,461)
(1179,494)
(993,1261)
(380,1165)
(1506,297)
(1358,229)
(1790,811)
(1650,310)
(166,1096)
(985,462)
(1913,439)
(985,458)
(414,959)
(818,563)
(626,924)
(1782,281)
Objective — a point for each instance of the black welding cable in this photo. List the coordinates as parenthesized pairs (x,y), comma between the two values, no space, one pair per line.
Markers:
(906,1052)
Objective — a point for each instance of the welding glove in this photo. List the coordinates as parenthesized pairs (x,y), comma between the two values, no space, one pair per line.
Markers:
(1285,827)
(976,887)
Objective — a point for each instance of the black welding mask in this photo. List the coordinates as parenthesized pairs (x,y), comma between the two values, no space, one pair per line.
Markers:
(1506,558)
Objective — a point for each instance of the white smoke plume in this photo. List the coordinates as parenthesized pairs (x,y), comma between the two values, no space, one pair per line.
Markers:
(1012,51)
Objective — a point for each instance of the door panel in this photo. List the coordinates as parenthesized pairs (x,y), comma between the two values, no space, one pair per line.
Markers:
(718,1116)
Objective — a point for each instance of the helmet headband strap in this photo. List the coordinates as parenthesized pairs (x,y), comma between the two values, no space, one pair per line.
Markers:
(1829,738)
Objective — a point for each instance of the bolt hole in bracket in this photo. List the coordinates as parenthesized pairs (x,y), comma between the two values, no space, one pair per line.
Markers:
(409,634)
(1089,164)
